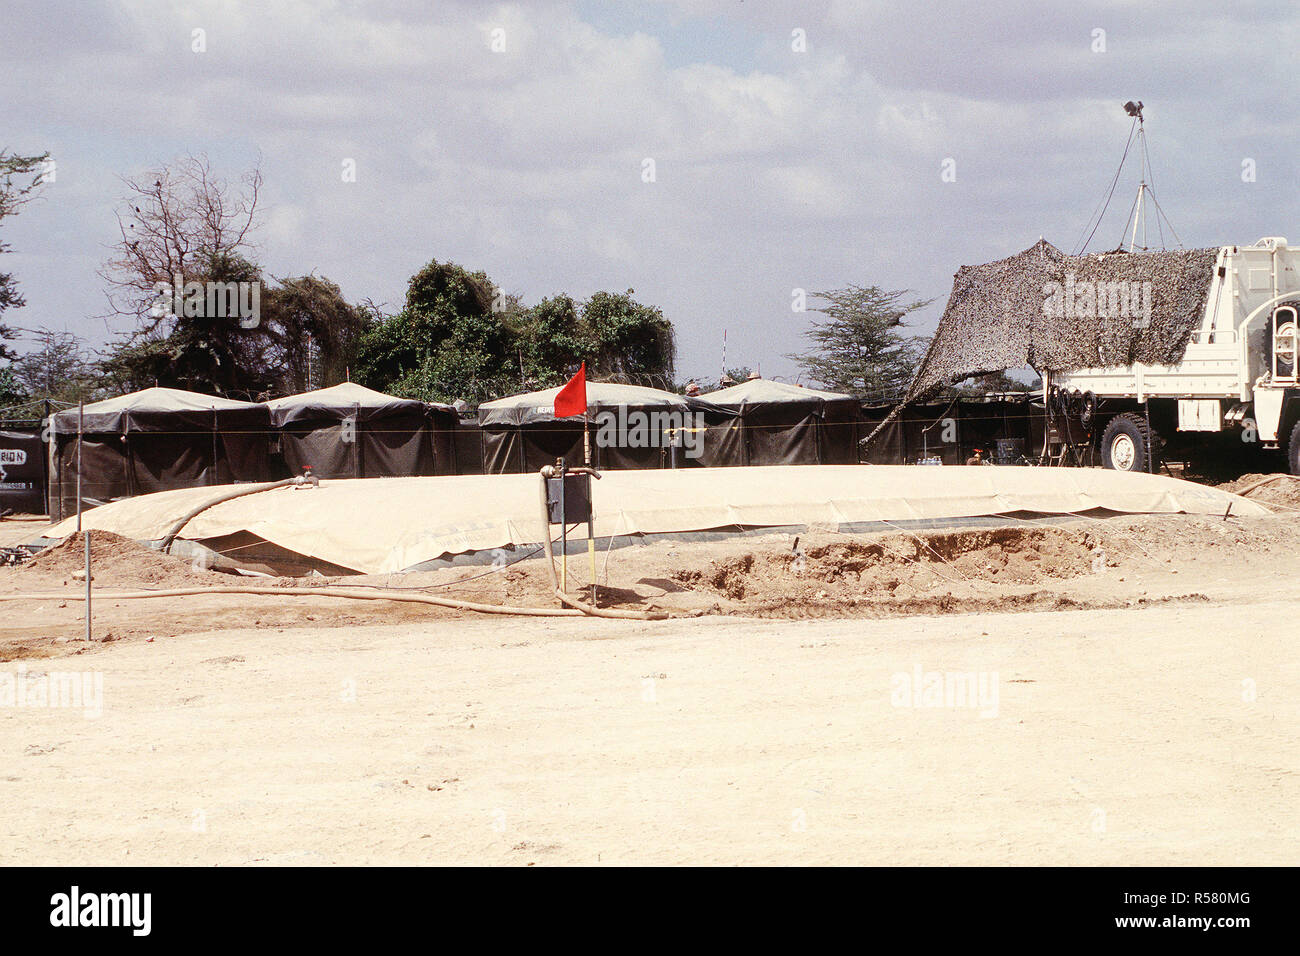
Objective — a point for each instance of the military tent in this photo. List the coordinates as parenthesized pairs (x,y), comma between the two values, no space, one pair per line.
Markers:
(156,439)
(782,424)
(349,431)
(631,427)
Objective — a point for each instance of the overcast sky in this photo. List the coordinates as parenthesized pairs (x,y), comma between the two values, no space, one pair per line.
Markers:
(778,165)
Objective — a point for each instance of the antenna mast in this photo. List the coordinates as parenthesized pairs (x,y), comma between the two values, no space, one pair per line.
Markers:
(1138,214)
(1139,204)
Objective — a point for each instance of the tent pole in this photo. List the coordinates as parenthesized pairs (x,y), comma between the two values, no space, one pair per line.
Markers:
(55,482)
(85,537)
(45,424)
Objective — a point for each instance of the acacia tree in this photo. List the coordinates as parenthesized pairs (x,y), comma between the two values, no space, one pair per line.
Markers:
(862,347)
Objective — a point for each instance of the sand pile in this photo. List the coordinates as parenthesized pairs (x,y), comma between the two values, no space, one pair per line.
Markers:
(1281,491)
(900,567)
(116,562)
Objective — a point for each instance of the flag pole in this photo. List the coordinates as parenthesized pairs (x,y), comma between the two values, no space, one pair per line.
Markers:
(591,522)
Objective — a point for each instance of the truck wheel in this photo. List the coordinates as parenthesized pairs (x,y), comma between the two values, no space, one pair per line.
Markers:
(1130,444)
(1293,450)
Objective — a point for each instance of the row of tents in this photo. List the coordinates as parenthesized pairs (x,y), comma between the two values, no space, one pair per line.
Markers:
(162,438)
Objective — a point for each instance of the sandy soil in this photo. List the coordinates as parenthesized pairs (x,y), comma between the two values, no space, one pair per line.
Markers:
(1147,695)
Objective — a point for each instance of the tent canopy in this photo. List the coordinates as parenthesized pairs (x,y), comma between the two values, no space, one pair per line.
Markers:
(540,406)
(344,400)
(762,390)
(780,424)
(159,409)
(350,431)
(155,440)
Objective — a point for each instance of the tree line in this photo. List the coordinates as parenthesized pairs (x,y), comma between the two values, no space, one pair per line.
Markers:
(182,229)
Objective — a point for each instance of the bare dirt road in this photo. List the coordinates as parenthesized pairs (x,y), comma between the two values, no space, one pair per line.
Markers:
(1151,721)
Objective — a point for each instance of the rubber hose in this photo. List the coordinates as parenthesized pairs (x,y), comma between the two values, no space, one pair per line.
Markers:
(1264,481)
(611,612)
(311,592)
(175,529)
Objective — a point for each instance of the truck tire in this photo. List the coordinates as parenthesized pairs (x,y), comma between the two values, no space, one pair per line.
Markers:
(1293,450)
(1130,444)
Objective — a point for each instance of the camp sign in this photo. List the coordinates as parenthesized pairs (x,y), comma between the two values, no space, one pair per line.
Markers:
(22,472)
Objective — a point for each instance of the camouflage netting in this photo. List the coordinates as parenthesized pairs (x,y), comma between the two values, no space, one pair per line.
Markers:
(996,316)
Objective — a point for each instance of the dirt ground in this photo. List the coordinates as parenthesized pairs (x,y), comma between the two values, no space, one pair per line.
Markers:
(1134,694)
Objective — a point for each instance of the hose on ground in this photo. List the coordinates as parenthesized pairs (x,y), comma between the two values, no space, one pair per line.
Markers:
(239,492)
(311,592)
(1263,481)
(612,612)
(546,531)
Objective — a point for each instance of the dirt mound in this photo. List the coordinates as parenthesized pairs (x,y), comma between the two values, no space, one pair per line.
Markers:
(116,562)
(897,564)
(1279,490)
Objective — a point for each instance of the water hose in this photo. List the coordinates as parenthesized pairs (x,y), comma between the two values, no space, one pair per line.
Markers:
(611,612)
(575,607)
(238,492)
(311,592)
(1264,481)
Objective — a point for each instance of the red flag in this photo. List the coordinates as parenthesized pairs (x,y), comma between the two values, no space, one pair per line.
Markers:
(572,399)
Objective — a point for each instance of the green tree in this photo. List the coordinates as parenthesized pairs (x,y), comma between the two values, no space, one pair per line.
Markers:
(20,178)
(460,336)
(313,332)
(446,343)
(861,347)
(11,394)
(630,341)
(551,342)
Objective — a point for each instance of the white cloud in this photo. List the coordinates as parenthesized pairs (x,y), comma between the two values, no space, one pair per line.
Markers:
(811,170)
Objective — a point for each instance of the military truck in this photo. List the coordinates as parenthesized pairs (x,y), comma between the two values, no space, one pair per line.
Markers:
(1237,378)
